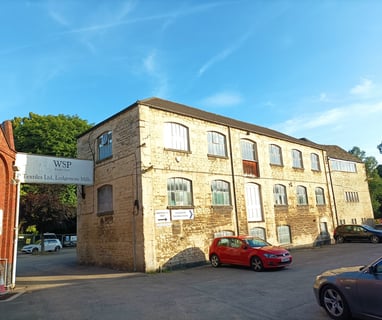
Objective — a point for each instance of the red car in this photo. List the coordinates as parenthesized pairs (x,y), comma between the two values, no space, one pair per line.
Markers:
(248,251)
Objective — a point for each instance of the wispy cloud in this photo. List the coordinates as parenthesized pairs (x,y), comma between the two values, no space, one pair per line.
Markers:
(222,55)
(363,88)
(152,68)
(223,99)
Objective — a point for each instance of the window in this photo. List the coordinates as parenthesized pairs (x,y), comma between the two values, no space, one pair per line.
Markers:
(253,202)
(105,199)
(283,234)
(248,150)
(275,155)
(179,192)
(176,136)
(320,197)
(351,196)
(279,195)
(105,143)
(223,234)
(220,193)
(342,165)
(297,159)
(216,144)
(258,232)
(248,154)
(301,196)
(315,162)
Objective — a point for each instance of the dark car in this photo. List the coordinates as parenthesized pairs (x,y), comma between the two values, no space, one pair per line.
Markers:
(354,232)
(248,251)
(351,292)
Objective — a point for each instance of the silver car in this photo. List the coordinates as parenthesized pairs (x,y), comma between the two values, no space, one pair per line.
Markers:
(351,291)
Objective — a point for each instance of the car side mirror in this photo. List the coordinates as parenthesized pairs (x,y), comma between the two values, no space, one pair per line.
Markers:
(244,246)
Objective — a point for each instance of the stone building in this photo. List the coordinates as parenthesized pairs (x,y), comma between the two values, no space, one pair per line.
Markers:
(7,203)
(169,178)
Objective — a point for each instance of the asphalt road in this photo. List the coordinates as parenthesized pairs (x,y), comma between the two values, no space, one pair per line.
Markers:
(55,287)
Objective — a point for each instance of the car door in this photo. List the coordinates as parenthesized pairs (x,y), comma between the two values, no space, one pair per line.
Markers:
(369,289)
(223,250)
(235,250)
(361,234)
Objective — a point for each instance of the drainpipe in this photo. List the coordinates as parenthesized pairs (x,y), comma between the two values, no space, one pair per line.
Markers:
(233,182)
(16,234)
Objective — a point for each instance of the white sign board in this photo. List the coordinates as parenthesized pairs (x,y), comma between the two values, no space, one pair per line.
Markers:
(162,217)
(51,170)
(182,214)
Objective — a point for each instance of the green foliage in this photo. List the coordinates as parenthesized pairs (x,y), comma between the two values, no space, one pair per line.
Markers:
(48,207)
(374,178)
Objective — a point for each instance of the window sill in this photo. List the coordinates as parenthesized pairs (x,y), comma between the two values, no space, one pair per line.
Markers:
(106,213)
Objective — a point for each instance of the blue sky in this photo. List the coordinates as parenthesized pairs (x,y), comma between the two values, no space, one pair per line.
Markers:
(306,68)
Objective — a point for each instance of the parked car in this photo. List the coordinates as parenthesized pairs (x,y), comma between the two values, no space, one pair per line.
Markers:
(49,245)
(354,232)
(378,226)
(248,251)
(351,292)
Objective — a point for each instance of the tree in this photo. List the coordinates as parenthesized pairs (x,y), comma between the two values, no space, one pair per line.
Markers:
(374,178)
(48,207)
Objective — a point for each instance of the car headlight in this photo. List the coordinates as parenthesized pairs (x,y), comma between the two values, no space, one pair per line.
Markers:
(269,255)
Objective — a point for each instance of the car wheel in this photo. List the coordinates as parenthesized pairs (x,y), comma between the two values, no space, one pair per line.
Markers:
(334,303)
(340,239)
(34,251)
(57,249)
(215,261)
(374,239)
(256,264)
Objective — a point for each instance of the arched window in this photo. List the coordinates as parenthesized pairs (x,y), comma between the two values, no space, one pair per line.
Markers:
(275,156)
(320,197)
(302,198)
(258,232)
(297,159)
(105,145)
(216,144)
(279,195)
(220,193)
(284,235)
(176,136)
(179,192)
(315,162)
(253,202)
(249,156)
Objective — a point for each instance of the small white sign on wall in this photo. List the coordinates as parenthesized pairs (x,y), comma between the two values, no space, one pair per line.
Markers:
(182,214)
(162,217)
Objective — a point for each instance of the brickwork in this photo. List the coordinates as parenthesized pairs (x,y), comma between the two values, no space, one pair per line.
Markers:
(7,197)
(131,238)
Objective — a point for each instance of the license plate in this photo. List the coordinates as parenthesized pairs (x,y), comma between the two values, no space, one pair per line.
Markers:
(285,259)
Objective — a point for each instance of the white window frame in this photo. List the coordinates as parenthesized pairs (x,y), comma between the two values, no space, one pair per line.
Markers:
(253,202)
(315,162)
(216,144)
(284,235)
(280,195)
(275,155)
(176,136)
(179,192)
(297,159)
(302,196)
(320,196)
(220,190)
(248,150)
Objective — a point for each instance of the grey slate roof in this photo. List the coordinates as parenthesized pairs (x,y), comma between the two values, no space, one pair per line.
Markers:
(181,109)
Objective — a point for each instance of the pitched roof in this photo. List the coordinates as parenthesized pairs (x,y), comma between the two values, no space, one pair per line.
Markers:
(181,109)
